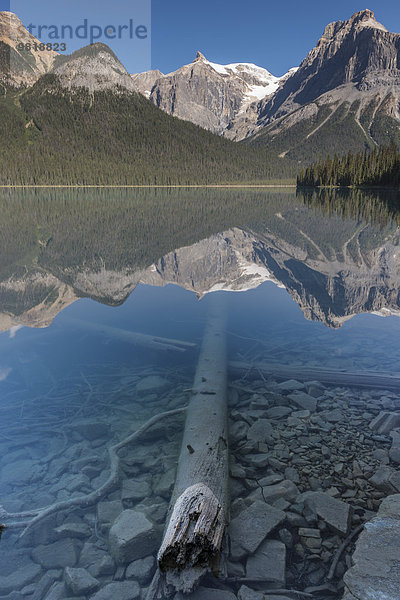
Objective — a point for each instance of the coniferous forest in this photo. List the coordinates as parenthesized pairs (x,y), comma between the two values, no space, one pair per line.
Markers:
(52,136)
(381,167)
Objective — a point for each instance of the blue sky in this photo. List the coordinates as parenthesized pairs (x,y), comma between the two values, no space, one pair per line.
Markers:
(274,35)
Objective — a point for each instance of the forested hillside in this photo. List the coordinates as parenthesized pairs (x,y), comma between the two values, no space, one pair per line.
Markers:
(381,167)
(54,136)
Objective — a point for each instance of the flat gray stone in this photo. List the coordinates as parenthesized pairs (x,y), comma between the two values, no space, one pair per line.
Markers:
(133,536)
(375,571)
(394,452)
(315,388)
(164,485)
(74,530)
(56,556)
(90,555)
(390,507)
(268,563)
(118,590)
(285,489)
(290,385)
(386,479)
(80,581)
(385,422)
(151,383)
(278,412)
(133,489)
(91,430)
(260,431)
(107,512)
(305,401)
(246,593)
(258,461)
(292,474)
(309,532)
(251,526)
(141,570)
(58,591)
(102,567)
(332,416)
(335,513)
(21,472)
(42,586)
(203,593)
(19,578)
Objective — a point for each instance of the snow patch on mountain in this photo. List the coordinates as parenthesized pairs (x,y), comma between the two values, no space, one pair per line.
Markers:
(264,84)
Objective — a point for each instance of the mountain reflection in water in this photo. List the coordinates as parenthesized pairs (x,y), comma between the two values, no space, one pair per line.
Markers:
(335,253)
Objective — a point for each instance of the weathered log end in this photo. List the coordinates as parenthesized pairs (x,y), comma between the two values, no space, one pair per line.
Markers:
(193,539)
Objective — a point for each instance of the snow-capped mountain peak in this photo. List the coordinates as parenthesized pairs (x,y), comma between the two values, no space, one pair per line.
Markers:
(209,94)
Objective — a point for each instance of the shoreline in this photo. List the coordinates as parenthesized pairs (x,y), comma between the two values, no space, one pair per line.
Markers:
(77,186)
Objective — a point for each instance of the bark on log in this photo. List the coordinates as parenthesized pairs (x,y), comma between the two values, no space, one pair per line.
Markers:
(361,379)
(199,504)
(138,339)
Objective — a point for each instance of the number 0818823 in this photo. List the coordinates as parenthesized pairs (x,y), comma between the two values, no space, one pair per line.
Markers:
(40,47)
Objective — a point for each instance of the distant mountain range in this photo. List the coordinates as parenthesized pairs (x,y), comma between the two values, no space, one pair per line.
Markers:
(211,95)
(345,95)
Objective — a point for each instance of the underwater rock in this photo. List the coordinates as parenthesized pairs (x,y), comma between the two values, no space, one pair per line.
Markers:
(107,512)
(19,578)
(73,530)
(91,430)
(335,513)
(133,536)
(305,401)
(134,489)
(251,526)
(260,431)
(246,593)
(121,590)
(291,385)
(203,593)
(394,452)
(278,412)
(165,484)
(105,566)
(375,572)
(22,472)
(80,581)
(56,556)
(385,422)
(141,570)
(152,383)
(268,563)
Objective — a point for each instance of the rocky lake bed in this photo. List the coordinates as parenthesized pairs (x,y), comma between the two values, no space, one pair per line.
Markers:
(309,466)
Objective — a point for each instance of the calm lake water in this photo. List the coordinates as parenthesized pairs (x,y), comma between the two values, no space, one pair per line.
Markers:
(309,283)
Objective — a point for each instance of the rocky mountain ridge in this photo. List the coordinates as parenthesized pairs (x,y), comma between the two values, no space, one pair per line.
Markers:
(348,83)
(208,94)
(329,285)
(21,67)
(95,67)
(344,96)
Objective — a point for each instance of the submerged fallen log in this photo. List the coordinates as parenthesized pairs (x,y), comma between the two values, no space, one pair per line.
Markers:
(360,379)
(199,504)
(138,339)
